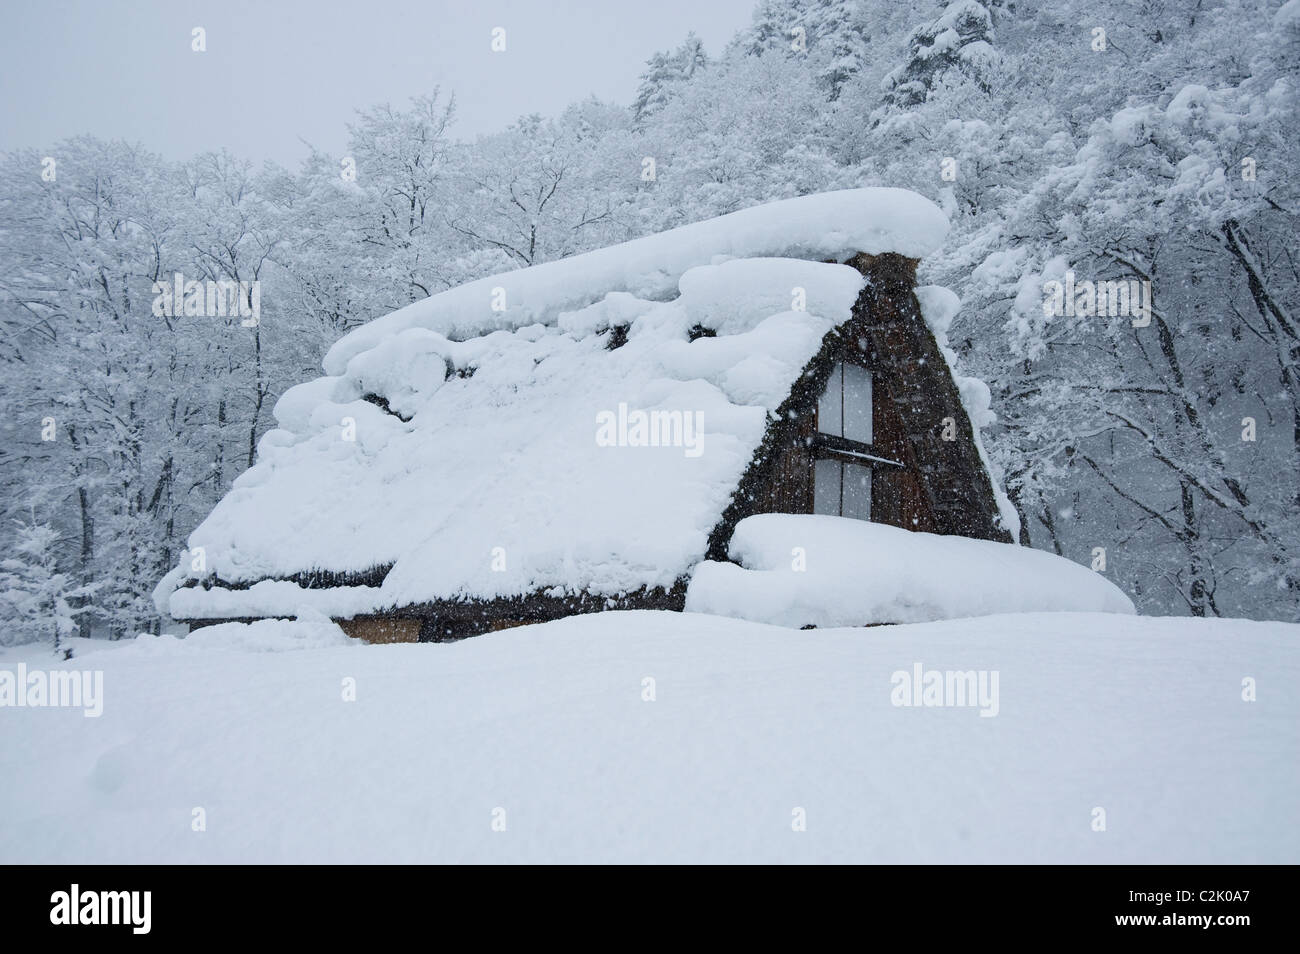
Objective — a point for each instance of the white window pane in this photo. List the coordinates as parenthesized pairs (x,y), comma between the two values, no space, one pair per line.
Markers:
(857,492)
(857,403)
(826,487)
(830,408)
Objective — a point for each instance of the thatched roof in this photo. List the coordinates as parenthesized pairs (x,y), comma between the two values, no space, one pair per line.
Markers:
(459,450)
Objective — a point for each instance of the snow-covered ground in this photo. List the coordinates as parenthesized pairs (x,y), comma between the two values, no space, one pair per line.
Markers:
(749,724)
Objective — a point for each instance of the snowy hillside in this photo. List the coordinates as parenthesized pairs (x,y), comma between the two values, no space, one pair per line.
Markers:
(751,729)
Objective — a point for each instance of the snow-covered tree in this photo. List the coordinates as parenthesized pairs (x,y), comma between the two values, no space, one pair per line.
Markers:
(547,188)
(1179,429)
(37,602)
(959,39)
(829,36)
(663,73)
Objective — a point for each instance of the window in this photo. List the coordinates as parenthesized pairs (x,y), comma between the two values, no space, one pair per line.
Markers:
(841,483)
(841,489)
(844,410)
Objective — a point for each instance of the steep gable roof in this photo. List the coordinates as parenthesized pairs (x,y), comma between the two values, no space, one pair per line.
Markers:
(476,470)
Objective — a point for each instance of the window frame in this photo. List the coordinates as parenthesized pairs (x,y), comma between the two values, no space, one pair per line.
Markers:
(845,450)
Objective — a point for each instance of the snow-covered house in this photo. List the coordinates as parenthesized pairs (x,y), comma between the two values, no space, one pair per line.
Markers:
(582,435)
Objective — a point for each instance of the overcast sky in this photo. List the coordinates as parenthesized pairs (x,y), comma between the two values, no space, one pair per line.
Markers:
(277,72)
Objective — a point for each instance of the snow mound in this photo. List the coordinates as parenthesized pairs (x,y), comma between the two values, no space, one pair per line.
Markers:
(799,570)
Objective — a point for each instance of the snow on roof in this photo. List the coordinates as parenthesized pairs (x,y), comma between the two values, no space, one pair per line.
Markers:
(829,225)
(854,572)
(487,453)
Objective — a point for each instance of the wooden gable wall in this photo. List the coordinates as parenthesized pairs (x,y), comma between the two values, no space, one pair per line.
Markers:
(942,486)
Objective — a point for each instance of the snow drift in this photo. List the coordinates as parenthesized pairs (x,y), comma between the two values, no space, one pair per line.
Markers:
(808,570)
